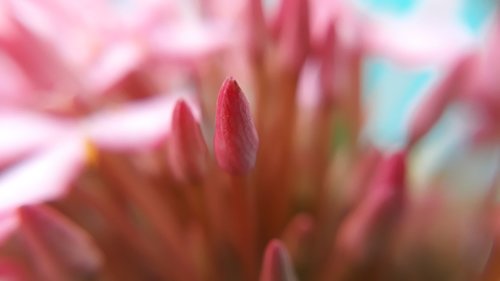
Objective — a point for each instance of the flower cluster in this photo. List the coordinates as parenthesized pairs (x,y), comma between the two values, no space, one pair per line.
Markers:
(177,140)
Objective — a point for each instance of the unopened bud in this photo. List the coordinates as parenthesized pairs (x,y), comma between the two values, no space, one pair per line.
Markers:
(187,150)
(70,245)
(277,265)
(236,141)
(292,27)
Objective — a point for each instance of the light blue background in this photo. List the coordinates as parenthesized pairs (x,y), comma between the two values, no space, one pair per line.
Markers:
(396,89)
(390,91)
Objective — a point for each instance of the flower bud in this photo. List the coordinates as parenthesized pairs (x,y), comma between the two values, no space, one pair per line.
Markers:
(277,265)
(432,107)
(292,24)
(187,150)
(67,243)
(236,141)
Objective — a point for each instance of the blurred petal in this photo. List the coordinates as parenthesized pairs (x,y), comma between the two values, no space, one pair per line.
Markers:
(114,63)
(224,10)
(141,15)
(429,111)
(70,245)
(45,176)
(293,39)
(187,42)
(9,221)
(15,88)
(34,55)
(309,91)
(379,211)
(11,271)
(321,14)
(136,125)
(25,132)
(413,44)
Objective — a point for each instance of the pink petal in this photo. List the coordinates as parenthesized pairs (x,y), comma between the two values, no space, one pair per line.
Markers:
(433,106)
(293,38)
(45,176)
(255,28)
(321,14)
(140,16)
(115,62)
(136,125)
(224,10)
(415,43)
(15,88)
(187,42)
(11,271)
(71,245)
(33,54)
(49,16)
(309,92)
(25,132)
(9,221)
(73,28)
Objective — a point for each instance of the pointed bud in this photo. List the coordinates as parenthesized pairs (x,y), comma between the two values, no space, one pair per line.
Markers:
(276,265)
(392,172)
(362,173)
(370,224)
(432,107)
(187,150)
(292,25)
(236,141)
(327,67)
(297,235)
(66,242)
(256,28)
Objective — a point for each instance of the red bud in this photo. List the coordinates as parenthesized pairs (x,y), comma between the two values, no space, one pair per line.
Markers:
(236,141)
(297,235)
(256,28)
(187,150)
(432,107)
(370,224)
(70,245)
(277,265)
(292,24)
(391,173)
(327,67)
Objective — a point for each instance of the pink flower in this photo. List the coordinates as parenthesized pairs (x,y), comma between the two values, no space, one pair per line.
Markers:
(127,153)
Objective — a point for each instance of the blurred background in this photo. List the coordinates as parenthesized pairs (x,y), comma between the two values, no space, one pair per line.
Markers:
(392,89)
(81,80)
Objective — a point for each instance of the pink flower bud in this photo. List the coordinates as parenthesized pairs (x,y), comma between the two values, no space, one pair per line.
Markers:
(68,244)
(187,150)
(391,174)
(327,68)
(236,141)
(292,27)
(433,105)
(277,265)
(370,224)
(297,236)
